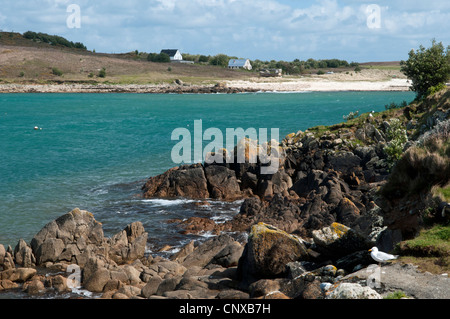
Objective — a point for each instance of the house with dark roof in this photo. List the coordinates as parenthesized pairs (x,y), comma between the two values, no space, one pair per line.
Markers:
(174,54)
(239,64)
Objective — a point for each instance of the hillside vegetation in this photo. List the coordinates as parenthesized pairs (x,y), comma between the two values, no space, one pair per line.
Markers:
(25,60)
(39,58)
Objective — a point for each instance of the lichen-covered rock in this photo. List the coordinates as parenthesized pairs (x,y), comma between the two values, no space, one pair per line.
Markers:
(352,291)
(339,240)
(267,252)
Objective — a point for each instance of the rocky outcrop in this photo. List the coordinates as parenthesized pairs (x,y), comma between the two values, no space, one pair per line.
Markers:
(271,264)
(184,181)
(70,238)
(267,252)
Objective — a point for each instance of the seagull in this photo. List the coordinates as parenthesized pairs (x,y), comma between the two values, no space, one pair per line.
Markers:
(380,256)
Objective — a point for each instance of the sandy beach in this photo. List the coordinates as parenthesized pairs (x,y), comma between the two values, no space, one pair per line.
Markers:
(273,85)
(322,85)
(365,80)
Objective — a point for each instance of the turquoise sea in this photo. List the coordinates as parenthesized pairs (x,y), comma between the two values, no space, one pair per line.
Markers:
(94,151)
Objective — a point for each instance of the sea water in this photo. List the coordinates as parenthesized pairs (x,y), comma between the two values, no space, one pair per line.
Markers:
(95,151)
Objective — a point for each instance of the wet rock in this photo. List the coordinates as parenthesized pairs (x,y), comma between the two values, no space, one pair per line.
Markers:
(7,284)
(34,287)
(18,274)
(185,181)
(195,225)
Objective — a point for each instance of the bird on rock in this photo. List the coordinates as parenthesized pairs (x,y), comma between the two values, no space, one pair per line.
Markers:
(380,256)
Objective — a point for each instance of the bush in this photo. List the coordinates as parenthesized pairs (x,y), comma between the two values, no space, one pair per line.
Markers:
(102,73)
(397,137)
(57,72)
(351,116)
(427,68)
(53,40)
(394,105)
(203,58)
(158,57)
(420,169)
(436,88)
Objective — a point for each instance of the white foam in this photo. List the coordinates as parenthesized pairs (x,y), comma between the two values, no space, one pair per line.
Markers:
(168,202)
(82,292)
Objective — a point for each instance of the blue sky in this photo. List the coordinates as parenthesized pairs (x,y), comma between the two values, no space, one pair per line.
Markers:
(255,29)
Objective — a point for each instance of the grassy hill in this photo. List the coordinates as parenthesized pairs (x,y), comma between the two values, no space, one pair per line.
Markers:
(26,61)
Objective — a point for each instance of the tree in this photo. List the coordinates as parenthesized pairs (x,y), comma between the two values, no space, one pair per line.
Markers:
(219,59)
(161,57)
(427,67)
(203,58)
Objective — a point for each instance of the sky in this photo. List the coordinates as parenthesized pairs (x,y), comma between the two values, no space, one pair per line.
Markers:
(352,30)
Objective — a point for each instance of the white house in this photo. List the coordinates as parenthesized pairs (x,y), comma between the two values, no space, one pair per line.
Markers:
(174,54)
(239,64)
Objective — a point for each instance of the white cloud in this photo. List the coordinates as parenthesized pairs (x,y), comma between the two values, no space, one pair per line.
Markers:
(265,29)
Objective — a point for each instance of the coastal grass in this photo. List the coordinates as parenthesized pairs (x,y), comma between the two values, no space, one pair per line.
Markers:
(395,295)
(442,192)
(430,251)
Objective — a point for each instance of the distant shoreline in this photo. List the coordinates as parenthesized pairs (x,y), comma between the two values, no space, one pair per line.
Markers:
(286,86)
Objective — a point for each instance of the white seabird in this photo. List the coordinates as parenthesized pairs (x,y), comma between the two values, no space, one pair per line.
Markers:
(380,256)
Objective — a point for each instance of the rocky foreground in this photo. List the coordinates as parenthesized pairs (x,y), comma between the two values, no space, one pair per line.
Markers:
(309,228)
(271,265)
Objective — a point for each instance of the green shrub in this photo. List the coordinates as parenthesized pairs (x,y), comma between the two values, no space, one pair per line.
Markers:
(351,116)
(158,57)
(436,88)
(394,105)
(397,137)
(57,72)
(21,74)
(102,73)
